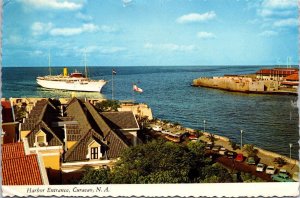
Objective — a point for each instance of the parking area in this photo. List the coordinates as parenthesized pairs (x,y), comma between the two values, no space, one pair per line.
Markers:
(223,145)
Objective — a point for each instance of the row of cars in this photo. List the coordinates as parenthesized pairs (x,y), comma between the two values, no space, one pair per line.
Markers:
(282,176)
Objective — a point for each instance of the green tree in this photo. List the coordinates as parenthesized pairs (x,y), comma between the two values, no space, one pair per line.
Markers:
(96,176)
(248,177)
(233,145)
(250,150)
(212,138)
(280,161)
(198,133)
(107,105)
(20,112)
(161,162)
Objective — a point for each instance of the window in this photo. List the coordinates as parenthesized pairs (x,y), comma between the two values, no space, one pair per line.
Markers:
(40,139)
(94,152)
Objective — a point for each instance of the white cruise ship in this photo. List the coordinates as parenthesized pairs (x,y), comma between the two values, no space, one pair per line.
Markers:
(74,82)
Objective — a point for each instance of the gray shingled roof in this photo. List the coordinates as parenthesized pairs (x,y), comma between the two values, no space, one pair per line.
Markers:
(121,120)
(90,125)
(53,139)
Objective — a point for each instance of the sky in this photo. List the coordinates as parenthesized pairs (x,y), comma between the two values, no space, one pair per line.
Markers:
(149,32)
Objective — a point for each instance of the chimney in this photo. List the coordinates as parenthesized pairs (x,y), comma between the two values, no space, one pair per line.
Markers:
(65,132)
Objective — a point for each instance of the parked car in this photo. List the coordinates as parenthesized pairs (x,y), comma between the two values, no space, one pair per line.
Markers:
(216,148)
(260,167)
(208,146)
(239,157)
(193,137)
(283,171)
(157,128)
(270,170)
(251,160)
(281,177)
(295,176)
(231,154)
(222,151)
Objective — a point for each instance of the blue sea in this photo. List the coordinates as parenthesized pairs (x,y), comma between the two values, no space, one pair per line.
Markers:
(268,121)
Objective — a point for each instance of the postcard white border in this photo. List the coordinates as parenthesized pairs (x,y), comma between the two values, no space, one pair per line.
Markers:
(102,190)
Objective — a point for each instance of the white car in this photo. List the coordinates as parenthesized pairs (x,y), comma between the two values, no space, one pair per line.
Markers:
(260,167)
(157,128)
(270,170)
(222,151)
(283,171)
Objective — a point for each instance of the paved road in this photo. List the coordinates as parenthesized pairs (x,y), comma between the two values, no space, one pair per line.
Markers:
(243,167)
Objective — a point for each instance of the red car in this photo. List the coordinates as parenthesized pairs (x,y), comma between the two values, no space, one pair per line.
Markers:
(239,157)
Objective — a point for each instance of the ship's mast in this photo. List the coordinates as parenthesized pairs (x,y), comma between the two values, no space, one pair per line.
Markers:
(85,68)
(49,62)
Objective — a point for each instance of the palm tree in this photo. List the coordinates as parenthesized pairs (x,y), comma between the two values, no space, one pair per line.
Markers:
(212,138)
(233,145)
(280,161)
(250,150)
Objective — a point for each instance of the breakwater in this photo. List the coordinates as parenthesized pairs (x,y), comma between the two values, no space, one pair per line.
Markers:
(246,84)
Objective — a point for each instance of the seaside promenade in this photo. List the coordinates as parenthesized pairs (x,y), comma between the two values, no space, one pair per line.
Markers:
(266,157)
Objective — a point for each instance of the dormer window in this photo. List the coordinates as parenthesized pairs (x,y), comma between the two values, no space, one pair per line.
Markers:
(94,150)
(40,139)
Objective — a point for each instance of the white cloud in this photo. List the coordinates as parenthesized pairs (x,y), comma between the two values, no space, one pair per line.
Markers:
(84,16)
(126,2)
(54,4)
(205,35)
(39,28)
(279,4)
(169,47)
(101,49)
(13,40)
(196,17)
(268,33)
(37,53)
(290,22)
(106,28)
(74,31)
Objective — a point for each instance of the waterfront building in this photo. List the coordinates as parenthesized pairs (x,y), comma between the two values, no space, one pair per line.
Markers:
(19,167)
(75,136)
(291,81)
(275,73)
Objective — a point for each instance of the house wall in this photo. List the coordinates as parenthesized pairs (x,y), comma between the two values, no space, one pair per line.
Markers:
(52,161)
(10,133)
(51,155)
(70,144)
(24,134)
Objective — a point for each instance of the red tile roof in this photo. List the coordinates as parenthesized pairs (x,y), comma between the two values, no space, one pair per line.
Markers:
(293,77)
(13,150)
(277,71)
(21,171)
(18,168)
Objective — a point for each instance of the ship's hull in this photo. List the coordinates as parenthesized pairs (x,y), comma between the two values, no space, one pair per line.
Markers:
(88,86)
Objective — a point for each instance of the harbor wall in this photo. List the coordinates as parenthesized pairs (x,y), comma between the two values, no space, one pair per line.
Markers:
(238,83)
